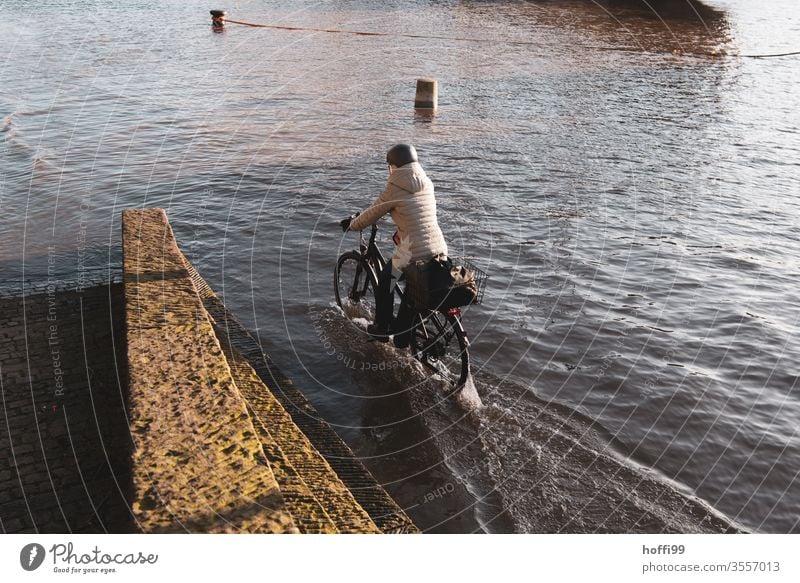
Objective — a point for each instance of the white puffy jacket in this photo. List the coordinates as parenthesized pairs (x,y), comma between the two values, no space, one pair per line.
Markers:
(408,196)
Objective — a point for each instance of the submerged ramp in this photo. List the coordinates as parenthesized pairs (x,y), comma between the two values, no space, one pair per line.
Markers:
(559,471)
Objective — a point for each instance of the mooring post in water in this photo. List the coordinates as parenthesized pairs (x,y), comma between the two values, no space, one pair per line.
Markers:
(218,18)
(427,94)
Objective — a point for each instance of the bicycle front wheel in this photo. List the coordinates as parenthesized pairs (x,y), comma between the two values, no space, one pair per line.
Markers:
(440,343)
(355,283)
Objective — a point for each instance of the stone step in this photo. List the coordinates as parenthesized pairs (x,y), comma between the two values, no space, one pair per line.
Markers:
(317,498)
(314,494)
(309,515)
(299,430)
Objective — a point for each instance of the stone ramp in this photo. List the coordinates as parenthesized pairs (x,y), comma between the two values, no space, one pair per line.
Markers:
(215,449)
(385,513)
(197,464)
(314,494)
(326,463)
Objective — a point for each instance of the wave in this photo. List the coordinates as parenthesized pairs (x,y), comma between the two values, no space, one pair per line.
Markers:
(530,466)
(5,123)
(558,472)
(38,156)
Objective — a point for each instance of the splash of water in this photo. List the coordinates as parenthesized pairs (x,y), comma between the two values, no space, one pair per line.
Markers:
(468,397)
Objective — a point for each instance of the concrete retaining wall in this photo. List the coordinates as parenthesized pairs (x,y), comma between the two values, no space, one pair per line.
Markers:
(215,449)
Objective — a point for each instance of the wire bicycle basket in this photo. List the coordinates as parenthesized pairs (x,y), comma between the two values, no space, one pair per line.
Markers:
(480,276)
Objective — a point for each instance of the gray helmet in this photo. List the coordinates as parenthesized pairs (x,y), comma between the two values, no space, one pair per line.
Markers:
(401,154)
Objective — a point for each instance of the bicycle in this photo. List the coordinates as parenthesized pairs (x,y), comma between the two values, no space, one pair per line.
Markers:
(355,281)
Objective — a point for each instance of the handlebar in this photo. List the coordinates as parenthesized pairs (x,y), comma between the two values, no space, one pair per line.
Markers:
(345,224)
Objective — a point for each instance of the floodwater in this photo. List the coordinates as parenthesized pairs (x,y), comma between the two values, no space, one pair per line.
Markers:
(633,196)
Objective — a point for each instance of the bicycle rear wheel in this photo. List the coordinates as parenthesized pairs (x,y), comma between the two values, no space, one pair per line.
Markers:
(355,283)
(440,343)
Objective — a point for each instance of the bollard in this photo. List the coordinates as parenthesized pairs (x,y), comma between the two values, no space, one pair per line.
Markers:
(218,18)
(427,94)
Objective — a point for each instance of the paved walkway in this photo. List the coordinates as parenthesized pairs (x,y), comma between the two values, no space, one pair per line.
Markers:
(63,461)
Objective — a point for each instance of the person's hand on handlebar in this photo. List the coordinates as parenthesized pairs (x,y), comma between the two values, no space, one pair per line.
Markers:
(345,223)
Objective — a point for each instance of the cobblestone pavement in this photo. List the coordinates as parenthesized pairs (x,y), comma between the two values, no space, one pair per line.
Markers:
(63,433)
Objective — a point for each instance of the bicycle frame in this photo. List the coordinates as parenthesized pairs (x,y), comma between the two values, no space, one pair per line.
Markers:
(374,257)
(370,251)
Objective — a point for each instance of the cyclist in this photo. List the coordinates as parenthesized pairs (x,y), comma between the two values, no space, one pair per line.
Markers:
(409,199)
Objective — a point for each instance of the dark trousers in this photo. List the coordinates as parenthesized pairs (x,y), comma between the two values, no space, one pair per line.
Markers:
(384,298)
(384,310)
